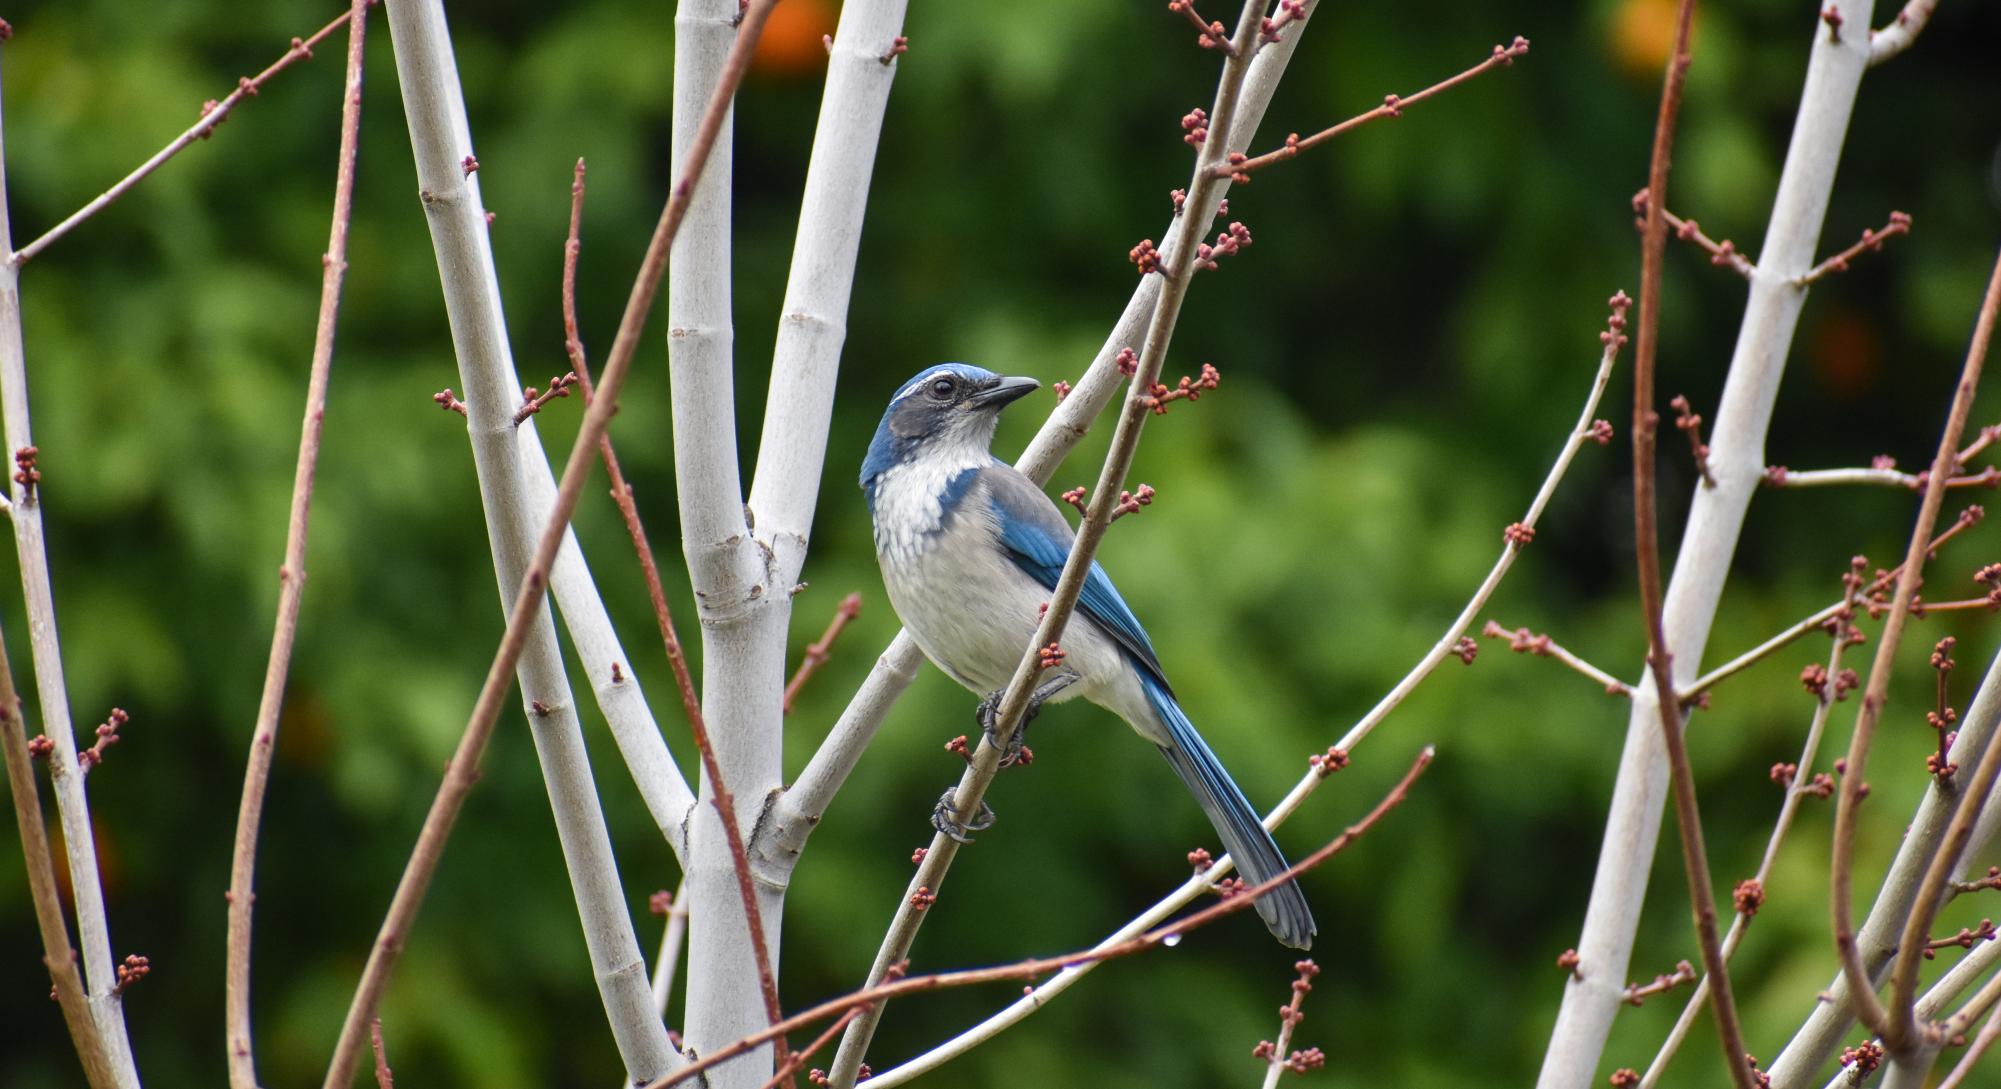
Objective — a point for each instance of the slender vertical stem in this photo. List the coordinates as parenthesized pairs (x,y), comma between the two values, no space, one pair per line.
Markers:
(31,551)
(291,576)
(1688,815)
(1788,809)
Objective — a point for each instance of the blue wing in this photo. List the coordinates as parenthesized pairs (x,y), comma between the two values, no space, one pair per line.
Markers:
(1035,536)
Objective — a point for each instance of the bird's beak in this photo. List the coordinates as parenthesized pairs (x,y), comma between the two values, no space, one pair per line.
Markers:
(1005,391)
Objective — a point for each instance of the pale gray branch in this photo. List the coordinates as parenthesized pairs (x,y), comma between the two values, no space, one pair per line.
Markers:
(31,551)
(442,146)
(745,569)
(1898,36)
(1593,997)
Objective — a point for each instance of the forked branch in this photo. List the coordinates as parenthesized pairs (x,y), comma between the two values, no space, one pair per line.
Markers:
(463,770)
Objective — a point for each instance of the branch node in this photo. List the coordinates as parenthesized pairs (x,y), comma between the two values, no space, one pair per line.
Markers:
(1189,389)
(1690,424)
(1326,763)
(26,472)
(130,971)
(532,402)
(1872,241)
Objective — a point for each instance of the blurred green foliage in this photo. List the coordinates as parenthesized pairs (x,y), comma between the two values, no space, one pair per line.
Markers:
(1402,350)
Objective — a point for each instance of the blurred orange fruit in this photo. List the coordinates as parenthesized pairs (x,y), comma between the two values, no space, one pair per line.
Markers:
(1642,32)
(794,41)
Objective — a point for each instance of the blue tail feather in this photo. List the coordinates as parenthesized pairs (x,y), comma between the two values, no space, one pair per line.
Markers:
(1283,909)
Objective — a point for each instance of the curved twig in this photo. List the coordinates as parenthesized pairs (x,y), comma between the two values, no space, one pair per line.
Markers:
(291,576)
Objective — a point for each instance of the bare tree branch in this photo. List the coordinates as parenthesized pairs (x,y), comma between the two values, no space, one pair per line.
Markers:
(1592,998)
(31,551)
(1796,791)
(56,950)
(213,114)
(1876,941)
(1660,661)
(464,767)
(1904,30)
(241,1047)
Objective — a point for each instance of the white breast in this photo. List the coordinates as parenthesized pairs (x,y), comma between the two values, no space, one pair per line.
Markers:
(972,612)
(908,513)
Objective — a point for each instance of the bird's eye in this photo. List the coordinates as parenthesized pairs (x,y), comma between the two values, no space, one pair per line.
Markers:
(942,389)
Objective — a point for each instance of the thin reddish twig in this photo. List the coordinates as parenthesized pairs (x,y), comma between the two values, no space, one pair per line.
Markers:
(1900,223)
(1029,969)
(1660,661)
(1638,993)
(463,770)
(1689,422)
(792,1067)
(1240,166)
(1277,1059)
(1723,254)
(1870,601)
(534,401)
(213,114)
(1212,35)
(663,616)
(1524,641)
(291,576)
(816,653)
(384,1077)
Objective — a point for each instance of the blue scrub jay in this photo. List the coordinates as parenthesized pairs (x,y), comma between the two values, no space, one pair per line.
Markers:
(970,551)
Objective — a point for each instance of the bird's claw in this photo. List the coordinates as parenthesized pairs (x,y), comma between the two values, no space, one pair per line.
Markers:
(988,716)
(944,817)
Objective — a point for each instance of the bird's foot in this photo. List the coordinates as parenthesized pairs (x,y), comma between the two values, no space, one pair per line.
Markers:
(944,817)
(988,716)
(1015,748)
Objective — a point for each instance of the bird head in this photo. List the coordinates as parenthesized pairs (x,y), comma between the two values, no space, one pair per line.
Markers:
(948,410)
